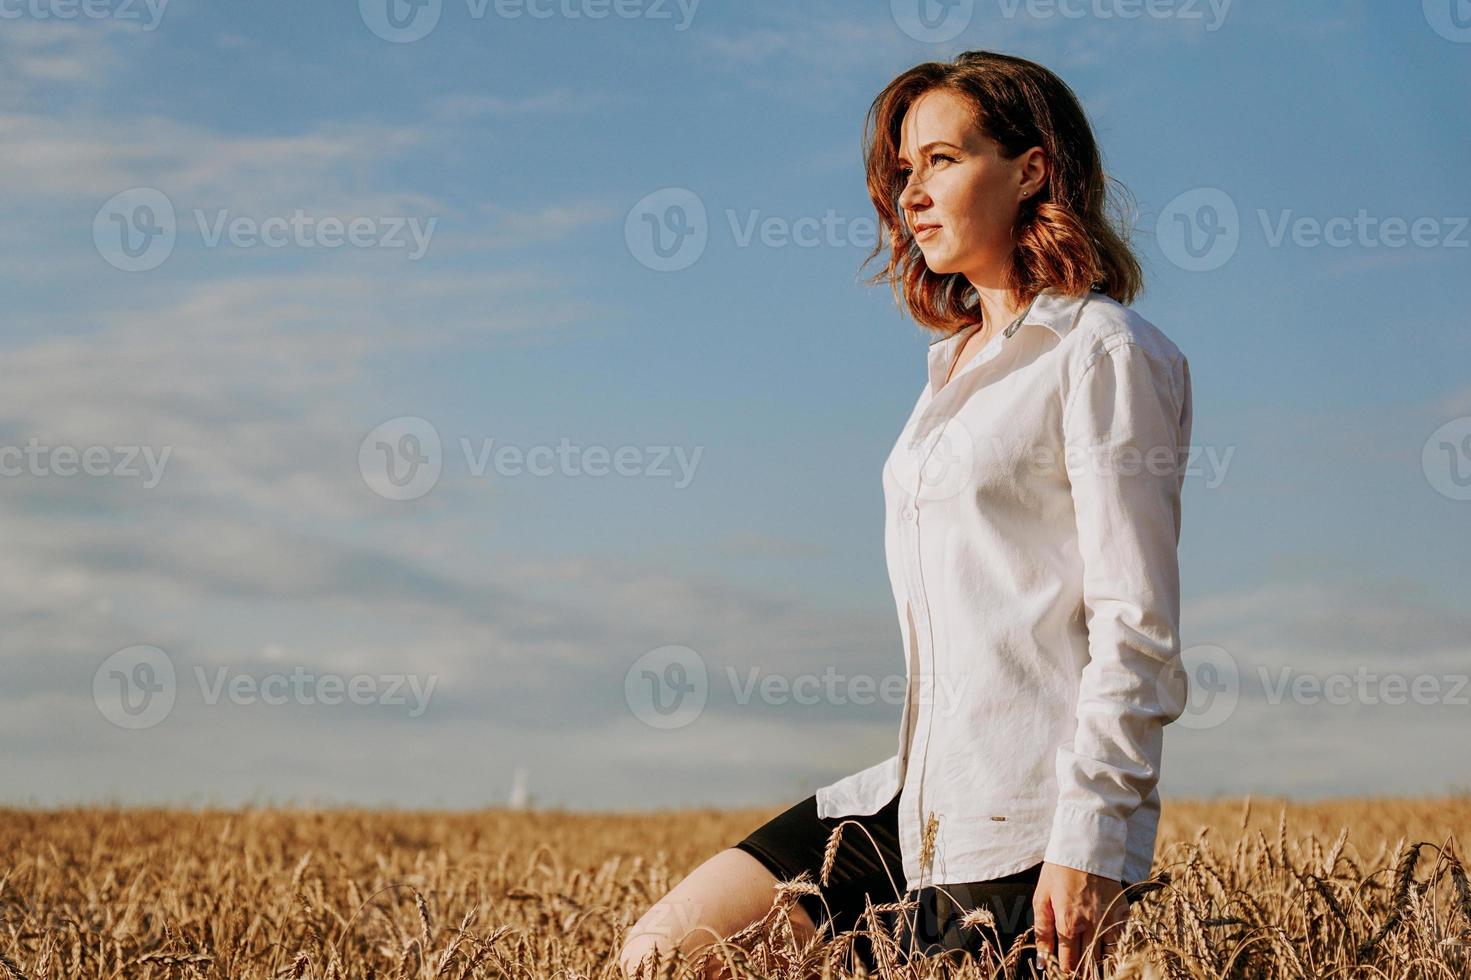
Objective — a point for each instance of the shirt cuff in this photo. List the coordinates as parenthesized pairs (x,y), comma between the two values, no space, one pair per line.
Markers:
(1087,841)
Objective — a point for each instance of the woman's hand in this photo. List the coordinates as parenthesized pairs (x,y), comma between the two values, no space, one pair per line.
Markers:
(1068,907)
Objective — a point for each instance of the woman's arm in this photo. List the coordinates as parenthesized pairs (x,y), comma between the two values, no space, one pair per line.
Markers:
(1126,430)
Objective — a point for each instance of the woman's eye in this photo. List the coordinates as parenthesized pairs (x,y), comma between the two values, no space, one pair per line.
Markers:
(904,172)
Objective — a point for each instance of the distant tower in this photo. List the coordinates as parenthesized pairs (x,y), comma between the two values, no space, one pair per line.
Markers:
(520,797)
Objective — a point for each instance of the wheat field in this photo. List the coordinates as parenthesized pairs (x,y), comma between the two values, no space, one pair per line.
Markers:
(1256,888)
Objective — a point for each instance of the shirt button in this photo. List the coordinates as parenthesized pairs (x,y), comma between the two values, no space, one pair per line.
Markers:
(908,513)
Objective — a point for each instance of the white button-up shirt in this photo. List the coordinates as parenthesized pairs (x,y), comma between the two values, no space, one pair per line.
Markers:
(1032,517)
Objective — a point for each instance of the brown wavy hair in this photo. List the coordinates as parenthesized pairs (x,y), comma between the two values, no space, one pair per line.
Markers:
(1064,235)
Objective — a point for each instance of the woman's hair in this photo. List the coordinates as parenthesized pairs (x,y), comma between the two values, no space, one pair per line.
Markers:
(1064,237)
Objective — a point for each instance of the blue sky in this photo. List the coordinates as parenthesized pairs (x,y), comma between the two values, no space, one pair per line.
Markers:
(1330,374)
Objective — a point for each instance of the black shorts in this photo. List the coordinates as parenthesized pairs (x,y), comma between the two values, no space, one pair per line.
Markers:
(794,841)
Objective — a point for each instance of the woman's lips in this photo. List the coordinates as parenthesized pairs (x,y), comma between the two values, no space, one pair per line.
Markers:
(924,231)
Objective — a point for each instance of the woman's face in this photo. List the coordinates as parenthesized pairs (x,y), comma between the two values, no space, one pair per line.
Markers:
(958,182)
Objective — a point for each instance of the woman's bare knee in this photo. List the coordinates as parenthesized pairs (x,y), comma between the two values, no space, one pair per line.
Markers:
(722,896)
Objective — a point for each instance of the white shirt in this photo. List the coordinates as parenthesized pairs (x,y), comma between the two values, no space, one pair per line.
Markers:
(1032,517)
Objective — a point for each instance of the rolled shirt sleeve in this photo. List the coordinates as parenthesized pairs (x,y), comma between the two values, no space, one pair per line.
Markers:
(1126,428)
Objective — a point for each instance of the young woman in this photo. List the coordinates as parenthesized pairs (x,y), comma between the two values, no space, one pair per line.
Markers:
(1032,523)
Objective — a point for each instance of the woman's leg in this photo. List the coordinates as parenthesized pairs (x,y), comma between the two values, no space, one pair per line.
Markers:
(716,900)
(866,866)
(736,886)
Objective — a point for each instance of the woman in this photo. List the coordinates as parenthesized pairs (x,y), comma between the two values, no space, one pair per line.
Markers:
(1032,523)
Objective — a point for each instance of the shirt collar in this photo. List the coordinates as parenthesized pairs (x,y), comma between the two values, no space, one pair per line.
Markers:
(1053,309)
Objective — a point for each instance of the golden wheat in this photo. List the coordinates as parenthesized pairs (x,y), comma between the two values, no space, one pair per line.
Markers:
(1239,890)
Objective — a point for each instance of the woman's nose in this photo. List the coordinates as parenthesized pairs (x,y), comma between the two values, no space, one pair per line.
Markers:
(913,197)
